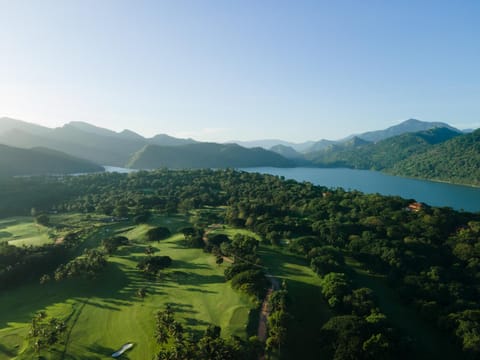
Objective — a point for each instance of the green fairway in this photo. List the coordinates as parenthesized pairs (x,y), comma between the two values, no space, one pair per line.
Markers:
(105,313)
(23,231)
(307,307)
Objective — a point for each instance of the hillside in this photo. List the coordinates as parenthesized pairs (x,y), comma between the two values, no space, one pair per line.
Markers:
(286,151)
(382,155)
(205,155)
(456,160)
(7,124)
(407,126)
(80,139)
(40,161)
(269,143)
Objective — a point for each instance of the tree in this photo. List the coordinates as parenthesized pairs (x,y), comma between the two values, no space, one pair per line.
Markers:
(158,233)
(45,331)
(112,244)
(142,292)
(150,250)
(44,279)
(334,287)
(153,264)
(342,338)
(42,219)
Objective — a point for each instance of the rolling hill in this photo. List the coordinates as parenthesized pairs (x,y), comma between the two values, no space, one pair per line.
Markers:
(41,161)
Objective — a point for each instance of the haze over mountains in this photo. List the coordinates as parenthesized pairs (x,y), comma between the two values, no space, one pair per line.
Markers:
(41,161)
(387,150)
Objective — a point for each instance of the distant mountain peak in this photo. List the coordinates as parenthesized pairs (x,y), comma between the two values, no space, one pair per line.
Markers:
(129,134)
(407,126)
(8,124)
(84,126)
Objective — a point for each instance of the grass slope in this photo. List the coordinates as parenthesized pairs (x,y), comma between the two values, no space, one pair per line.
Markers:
(307,307)
(105,313)
(23,231)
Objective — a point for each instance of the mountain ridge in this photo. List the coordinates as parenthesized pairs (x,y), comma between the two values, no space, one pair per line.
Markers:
(205,155)
(41,161)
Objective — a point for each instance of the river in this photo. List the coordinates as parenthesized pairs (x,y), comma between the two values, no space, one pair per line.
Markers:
(433,193)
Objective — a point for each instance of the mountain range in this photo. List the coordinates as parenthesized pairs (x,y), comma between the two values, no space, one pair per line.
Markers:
(41,161)
(397,149)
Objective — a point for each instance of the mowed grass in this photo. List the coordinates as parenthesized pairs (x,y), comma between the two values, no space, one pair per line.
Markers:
(20,231)
(307,307)
(105,313)
(308,310)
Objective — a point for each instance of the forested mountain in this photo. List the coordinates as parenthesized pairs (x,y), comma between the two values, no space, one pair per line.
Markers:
(269,143)
(408,126)
(378,150)
(80,139)
(456,160)
(382,155)
(205,155)
(41,161)
(286,151)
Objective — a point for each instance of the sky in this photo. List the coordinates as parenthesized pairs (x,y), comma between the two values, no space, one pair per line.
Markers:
(240,70)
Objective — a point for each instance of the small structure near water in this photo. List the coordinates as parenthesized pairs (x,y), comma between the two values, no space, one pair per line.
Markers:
(124,348)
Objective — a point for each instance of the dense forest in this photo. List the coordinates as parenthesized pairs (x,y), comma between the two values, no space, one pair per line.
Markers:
(453,161)
(382,155)
(430,256)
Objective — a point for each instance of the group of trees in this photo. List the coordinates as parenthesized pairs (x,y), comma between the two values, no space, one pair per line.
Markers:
(21,264)
(46,331)
(151,265)
(246,273)
(181,344)
(429,256)
(158,233)
(111,244)
(87,266)
(277,321)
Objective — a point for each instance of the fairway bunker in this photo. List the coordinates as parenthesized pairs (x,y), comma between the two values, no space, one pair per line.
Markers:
(124,348)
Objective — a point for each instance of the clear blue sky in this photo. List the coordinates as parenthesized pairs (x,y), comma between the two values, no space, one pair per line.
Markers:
(222,70)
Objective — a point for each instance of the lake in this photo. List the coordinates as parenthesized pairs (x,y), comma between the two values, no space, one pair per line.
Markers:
(432,193)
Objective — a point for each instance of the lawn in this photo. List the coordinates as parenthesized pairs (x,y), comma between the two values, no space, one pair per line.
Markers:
(23,231)
(307,307)
(105,313)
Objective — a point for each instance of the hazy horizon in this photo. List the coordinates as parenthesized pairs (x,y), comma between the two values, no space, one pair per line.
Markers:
(218,71)
(118,130)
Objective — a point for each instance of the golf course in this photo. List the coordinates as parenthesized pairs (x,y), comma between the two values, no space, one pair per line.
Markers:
(104,313)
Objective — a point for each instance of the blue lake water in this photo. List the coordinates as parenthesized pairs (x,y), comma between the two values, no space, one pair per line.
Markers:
(432,193)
